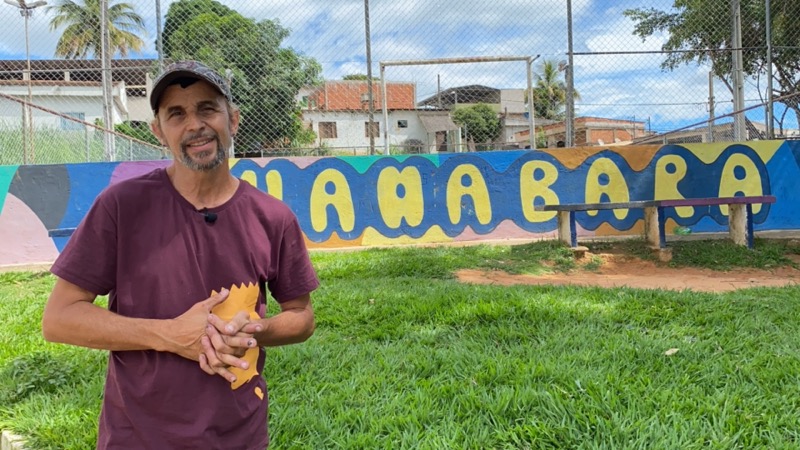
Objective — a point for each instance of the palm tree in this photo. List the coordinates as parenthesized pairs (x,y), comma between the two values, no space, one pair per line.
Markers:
(550,93)
(82,38)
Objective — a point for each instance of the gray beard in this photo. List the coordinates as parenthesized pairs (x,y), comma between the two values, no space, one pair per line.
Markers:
(204,167)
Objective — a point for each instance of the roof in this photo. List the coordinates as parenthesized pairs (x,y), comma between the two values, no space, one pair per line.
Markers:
(132,71)
(438,122)
(351,95)
(474,93)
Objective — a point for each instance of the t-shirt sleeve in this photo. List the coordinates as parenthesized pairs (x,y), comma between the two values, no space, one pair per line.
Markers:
(89,260)
(295,275)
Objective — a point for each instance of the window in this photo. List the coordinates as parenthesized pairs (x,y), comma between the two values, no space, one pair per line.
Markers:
(402,124)
(69,125)
(327,130)
(376,129)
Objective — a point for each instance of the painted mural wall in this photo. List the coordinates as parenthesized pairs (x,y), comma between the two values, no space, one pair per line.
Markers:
(372,200)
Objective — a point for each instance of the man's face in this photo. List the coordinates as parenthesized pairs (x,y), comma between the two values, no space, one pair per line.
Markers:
(196,124)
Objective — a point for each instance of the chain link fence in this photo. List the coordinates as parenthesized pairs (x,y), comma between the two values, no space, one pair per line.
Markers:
(447,76)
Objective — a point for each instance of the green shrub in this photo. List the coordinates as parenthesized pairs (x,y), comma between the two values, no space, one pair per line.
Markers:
(137,130)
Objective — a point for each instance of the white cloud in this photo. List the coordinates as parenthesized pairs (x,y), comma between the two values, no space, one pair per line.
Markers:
(332,32)
(618,37)
(12,34)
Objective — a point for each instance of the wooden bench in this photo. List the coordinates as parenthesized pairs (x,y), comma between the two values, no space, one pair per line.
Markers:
(740,216)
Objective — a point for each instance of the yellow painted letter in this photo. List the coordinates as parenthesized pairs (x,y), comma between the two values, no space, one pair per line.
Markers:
(331,188)
(604,177)
(394,206)
(740,174)
(531,188)
(275,184)
(670,170)
(476,188)
(250,177)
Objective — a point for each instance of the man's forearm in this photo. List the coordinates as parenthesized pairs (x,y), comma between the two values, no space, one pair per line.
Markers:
(71,317)
(88,325)
(287,327)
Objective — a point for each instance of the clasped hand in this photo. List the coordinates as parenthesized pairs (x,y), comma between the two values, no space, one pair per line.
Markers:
(217,345)
(225,343)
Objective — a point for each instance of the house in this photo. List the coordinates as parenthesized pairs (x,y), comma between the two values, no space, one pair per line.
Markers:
(56,102)
(72,88)
(590,131)
(503,101)
(509,104)
(353,95)
(338,112)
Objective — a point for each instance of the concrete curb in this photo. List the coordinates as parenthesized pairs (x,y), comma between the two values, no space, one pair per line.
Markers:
(10,441)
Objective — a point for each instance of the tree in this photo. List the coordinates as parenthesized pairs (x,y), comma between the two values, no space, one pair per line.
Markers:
(700,31)
(550,93)
(265,78)
(358,77)
(81,37)
(182,12)
(479,124)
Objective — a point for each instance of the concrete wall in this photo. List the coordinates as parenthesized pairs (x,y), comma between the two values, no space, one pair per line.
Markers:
(365,201)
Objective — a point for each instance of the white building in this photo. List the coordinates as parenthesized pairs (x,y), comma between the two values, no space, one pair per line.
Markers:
(56,103)
(61,90)
(410,131)
(337,111)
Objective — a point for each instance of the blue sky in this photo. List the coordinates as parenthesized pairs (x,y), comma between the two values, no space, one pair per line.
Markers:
(631,87)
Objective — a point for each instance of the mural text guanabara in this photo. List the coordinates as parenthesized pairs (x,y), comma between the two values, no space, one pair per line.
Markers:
(375,200)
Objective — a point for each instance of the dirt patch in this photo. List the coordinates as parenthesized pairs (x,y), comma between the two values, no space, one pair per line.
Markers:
(620,270)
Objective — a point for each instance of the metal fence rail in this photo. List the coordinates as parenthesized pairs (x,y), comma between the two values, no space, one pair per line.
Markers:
(604,73)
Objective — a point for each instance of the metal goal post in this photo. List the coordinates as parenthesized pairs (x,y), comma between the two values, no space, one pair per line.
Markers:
(474,59)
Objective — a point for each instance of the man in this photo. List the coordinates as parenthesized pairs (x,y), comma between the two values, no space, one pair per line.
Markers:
(186,255)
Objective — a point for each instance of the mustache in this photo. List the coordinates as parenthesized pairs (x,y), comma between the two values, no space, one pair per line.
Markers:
(192,137)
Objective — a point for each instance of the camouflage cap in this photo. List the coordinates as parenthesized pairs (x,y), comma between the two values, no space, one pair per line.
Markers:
(187,69)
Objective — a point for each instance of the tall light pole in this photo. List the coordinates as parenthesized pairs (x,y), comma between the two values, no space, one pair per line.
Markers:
(570,119)
(371,114)
(108,99)
(739,124)
(770,99)
(159,42)
(25,10)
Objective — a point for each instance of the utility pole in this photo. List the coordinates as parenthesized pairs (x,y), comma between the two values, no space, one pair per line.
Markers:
(371,113)
(531,108)
(439,90)
(570,97)
(739,129)
(26,10)
(108,112)
(711,106)
(770,102)
(159,42)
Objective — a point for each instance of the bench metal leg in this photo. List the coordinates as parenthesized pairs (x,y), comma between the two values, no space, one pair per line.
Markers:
(749,211)
(662,224)
(573,232)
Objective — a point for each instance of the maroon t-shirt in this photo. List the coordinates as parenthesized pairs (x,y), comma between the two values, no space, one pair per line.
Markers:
(156,256)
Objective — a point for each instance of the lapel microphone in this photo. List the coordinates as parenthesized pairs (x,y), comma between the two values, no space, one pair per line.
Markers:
(209,217)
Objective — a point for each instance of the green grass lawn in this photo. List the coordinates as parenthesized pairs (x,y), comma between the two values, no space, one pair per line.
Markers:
(406,357)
